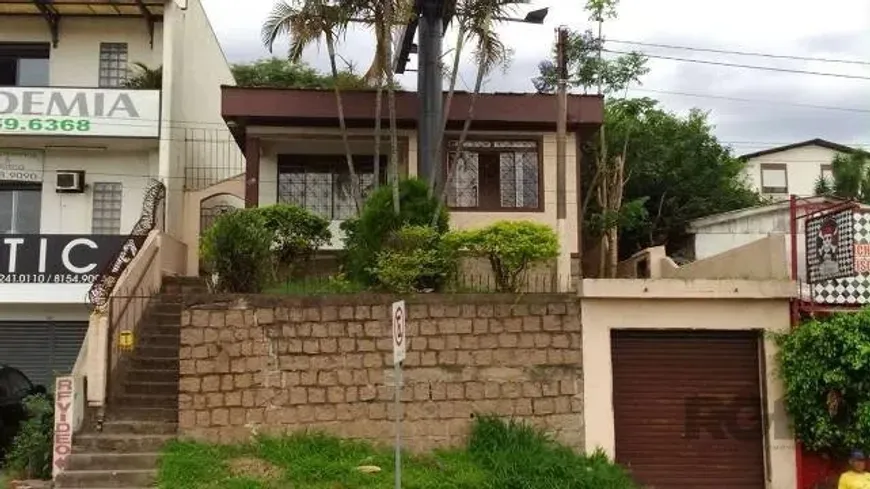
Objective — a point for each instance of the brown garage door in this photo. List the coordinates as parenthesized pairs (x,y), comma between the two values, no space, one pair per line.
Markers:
(687,408)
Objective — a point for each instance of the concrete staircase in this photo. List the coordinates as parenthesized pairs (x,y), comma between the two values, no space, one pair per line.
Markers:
(142,412)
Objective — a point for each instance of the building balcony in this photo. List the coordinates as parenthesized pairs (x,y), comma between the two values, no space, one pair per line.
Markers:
(79,112)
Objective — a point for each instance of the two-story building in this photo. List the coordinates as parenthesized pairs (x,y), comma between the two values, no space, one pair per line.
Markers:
(792,169)
(82,135)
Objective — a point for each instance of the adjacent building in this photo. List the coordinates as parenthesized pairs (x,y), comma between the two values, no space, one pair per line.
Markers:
(98,98)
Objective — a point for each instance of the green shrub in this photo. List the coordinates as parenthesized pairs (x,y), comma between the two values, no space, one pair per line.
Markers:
(415,259)
(30,455)
(518,455)
(237,249)
(511,247)
(297,233)
(825,367)
(365,236)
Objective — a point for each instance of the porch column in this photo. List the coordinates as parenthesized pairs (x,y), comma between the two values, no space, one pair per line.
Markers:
(252,171)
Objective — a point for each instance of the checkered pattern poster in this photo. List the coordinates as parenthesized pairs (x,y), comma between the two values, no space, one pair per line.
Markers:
(830,247)
(855,289)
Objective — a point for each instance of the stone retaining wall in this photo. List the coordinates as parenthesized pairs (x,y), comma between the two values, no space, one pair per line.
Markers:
(275,364)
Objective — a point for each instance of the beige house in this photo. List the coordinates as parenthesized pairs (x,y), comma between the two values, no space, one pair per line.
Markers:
(294,153)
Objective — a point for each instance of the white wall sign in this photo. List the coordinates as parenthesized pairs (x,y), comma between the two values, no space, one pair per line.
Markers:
(21,165)
(64,420)
(32,111)
(400,332)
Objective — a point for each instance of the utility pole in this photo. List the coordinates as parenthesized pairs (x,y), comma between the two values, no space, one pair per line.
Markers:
(563,266)
(431,25)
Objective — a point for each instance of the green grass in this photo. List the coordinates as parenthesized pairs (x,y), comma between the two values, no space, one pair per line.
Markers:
(499,455)
(316,286)
(4,480)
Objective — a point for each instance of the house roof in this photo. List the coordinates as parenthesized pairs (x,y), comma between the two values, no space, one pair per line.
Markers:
(810,142)
(698,224)
(242,107)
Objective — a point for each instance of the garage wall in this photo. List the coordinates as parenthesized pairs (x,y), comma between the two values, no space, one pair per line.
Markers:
(600,315)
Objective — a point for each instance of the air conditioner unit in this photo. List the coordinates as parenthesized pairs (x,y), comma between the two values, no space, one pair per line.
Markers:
(70,181)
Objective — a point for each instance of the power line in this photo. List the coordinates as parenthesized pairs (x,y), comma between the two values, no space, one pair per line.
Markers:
(754,101)
(740,53)
(751,67)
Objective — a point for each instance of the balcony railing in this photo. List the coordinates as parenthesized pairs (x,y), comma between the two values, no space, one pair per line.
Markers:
(81,112)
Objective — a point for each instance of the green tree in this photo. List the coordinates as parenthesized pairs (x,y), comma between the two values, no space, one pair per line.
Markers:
(851,178)
(282,73)
(306,22)
(676,171)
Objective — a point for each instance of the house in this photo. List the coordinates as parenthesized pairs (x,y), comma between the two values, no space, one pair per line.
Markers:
(294,153)
(79,151)
(792,169)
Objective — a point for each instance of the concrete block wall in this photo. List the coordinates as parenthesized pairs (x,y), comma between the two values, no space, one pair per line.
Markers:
(261,364)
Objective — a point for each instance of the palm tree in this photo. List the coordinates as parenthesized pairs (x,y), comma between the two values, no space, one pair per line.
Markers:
(477,20)
(145,78)
(305,22)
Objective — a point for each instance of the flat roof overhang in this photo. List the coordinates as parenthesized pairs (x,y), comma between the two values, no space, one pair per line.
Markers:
(53,11)
(243,107)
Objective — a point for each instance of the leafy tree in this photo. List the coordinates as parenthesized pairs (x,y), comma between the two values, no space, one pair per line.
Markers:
(851,178)
(676,171)
(145,78)
(283,73)
(305,22)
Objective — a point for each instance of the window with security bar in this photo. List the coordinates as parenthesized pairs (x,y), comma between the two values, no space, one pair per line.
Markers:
(493,175)
(114,70)
(322,183)
(106,214)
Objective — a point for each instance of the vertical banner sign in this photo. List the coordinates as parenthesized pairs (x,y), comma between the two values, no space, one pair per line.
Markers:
(64,393)
(400,339)
(830,246)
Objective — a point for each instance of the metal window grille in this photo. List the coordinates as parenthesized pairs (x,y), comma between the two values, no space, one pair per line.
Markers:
(517,176)
(106,217)
(325,193)
(113,64)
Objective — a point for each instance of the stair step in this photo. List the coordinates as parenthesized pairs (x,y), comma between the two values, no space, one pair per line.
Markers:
(153,363)
(120,443)
(156,414)
(156,351)
(105,478)
(113,461)
(130,427)
(135,375)
(148,400)
(168,388)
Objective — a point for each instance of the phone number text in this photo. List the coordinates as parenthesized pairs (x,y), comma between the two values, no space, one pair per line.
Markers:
(46,278)
(44,125)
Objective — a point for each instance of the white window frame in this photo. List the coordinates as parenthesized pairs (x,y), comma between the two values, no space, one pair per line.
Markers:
(111,76)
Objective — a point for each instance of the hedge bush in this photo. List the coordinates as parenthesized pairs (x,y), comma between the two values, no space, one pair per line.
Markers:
(237,248)
(825,366)
(415,259)
(30,455)
(297,234)
(512,248)
(365,237)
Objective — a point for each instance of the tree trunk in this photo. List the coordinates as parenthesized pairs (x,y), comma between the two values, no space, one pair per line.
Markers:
(478,83)
(354,183)
(616,191)
(391,97)
(454,73)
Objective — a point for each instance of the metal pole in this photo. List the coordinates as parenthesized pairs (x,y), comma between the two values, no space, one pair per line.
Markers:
(398,414)
(429,84)
(563,268)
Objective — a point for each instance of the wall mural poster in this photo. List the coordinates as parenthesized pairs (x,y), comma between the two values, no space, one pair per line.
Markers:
(830,246)
(854,289)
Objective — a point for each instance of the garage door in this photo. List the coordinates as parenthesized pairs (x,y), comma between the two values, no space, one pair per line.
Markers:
(41,349)
(687,408)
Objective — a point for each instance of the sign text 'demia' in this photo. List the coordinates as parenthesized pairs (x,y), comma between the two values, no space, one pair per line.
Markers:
(79,111)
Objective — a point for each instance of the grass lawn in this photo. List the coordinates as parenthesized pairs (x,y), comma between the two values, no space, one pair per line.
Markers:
(499,455)
(316,286)
(4,480)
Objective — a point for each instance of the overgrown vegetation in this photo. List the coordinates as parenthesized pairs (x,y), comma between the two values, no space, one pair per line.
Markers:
(415,259)
(145,77)
(282,73)
(296,235)
(30,455)
(850,177)
(237,248)
(499,455)
(824,365)
(511,247)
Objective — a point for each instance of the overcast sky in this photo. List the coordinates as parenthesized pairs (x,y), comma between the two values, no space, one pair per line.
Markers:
(834,29)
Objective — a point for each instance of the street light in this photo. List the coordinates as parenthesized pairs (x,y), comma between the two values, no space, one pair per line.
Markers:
(533,17)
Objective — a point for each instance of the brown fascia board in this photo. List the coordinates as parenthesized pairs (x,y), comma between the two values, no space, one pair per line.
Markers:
(492,111)
(811,142)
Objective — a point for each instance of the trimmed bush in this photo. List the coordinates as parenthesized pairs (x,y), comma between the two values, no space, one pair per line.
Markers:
(30,456)
(238,249)
(297,234)
(415,259)
(365,237)
(512,248)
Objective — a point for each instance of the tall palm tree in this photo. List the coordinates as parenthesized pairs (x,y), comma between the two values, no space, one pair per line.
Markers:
(479,18)
(305,22)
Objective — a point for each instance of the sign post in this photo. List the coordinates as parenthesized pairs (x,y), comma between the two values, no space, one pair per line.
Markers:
(399,342)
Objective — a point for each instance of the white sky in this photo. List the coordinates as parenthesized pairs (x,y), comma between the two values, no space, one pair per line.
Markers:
(832,29)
